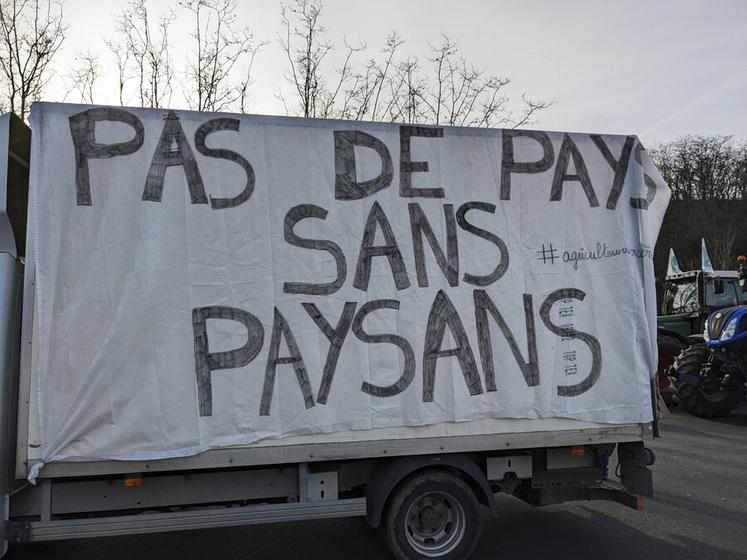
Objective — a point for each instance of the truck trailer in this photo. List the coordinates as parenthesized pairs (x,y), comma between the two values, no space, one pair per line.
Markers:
(215,320)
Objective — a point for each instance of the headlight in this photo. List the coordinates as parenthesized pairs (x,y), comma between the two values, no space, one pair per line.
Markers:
(728,332)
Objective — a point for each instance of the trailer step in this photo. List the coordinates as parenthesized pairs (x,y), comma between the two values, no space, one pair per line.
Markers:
(59,529)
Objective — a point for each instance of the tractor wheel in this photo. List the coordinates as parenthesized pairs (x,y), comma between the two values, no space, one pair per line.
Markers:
(669,348)
(694,398)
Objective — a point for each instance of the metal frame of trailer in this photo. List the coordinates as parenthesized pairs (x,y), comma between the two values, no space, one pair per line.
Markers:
(139,502)
(364,448)
(185,520)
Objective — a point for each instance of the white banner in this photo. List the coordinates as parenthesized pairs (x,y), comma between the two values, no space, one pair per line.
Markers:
(206,280)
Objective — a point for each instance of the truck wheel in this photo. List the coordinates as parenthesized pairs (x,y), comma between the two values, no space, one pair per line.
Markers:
(695,399)
(433,515)
(669,348)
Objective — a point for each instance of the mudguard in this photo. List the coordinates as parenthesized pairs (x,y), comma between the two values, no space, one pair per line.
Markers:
(391,472)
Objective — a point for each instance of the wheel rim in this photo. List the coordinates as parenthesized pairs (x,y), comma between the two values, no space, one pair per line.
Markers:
(435,524)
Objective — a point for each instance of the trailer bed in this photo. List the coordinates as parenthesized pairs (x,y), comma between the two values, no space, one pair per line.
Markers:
(473,436)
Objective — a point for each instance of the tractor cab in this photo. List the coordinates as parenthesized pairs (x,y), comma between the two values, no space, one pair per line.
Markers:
(689,297)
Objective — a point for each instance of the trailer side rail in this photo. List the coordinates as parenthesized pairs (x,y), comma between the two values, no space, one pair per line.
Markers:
(59,529)
(336,451)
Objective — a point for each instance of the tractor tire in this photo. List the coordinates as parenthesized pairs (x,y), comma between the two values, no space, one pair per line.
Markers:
(693,398)
(669,348)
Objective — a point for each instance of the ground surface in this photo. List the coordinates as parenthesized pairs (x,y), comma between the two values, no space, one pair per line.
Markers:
(700,511)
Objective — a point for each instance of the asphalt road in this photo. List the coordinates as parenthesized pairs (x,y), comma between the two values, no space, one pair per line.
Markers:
(699,512)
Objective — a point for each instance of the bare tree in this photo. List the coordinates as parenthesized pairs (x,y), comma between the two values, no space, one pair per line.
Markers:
(380,73)
(122,60)
(708,178)
(83,75)
(306,48)
(447,89)
(703,167)
(442,88)
(220,47)
(406,89)
(144,53)
(31,32)
(722,247)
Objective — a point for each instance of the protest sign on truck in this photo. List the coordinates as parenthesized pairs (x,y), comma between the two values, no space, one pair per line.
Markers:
(216,320)
(199,281)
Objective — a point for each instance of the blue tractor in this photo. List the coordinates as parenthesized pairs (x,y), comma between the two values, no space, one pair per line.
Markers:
(710,378)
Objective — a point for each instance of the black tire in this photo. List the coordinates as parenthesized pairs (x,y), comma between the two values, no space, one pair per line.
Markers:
(435,506)
(694,399)
(669,348)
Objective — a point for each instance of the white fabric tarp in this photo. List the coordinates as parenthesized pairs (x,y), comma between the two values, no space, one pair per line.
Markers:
(204,280)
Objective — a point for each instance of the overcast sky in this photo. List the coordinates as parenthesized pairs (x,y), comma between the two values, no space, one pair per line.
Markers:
(658,69)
